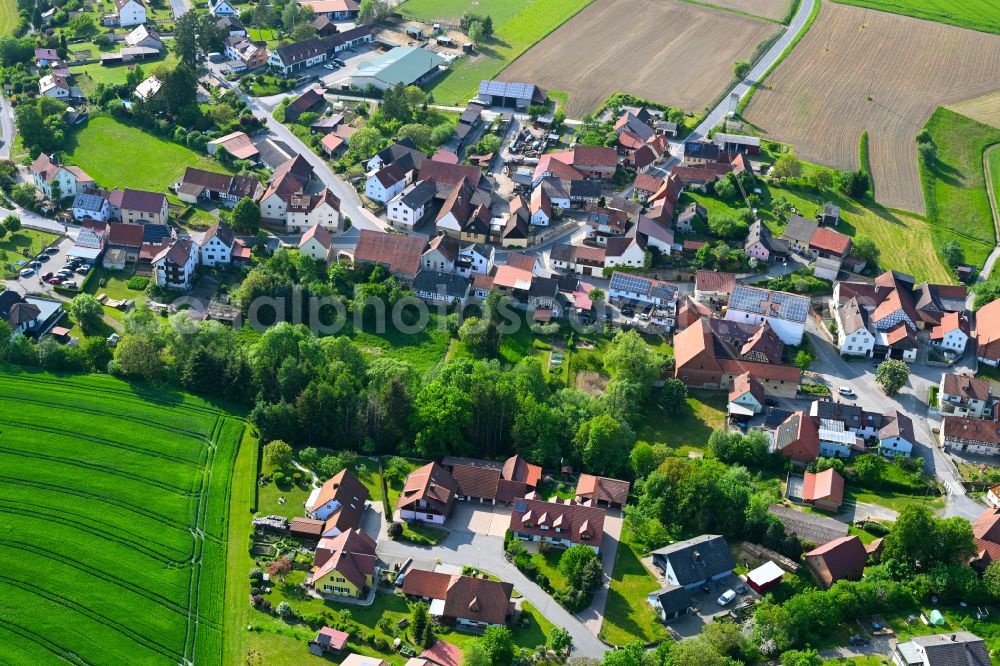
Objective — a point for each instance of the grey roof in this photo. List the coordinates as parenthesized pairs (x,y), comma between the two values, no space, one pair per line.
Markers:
(454,286)
(697,559)
(585,189)
(419,195)
(155,233)
(960,648)
(808,526)
(800,229)
(88,202)
(759,232)
(672,599)
(402,64)
(291,54)
(542,286)
(851,416)
(703,149)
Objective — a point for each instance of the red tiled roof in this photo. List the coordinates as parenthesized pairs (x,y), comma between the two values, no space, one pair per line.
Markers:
(443,654)
(825,485)
(988,330)
(950,321)
(648,183)
(747,383)
(125,235)
(842,556)
(590,156)
(602,489)
(573,520)
(828,240)
(714,281)
(401,254)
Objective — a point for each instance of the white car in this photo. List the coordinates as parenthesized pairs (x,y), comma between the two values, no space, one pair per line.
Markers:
(726,597)
(27,272)
(845,390)
(329,66)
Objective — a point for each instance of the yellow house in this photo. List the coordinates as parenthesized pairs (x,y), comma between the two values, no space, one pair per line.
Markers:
(344,566)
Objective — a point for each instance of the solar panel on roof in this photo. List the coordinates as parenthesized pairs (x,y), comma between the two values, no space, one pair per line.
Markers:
(630,283)
(769,303)
(504,89)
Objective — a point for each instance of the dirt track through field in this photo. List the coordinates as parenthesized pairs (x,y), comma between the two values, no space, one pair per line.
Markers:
(664,50)
(817,98)
(772,9)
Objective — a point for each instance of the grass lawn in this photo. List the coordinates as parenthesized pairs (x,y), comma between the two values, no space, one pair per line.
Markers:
(118,155)
(113,283)
(243,491)
(891,500)
(12,246)
(628,616)
(548,564)
(269,35)
(88,76)
(140,564)
(955,185)
(8,16)
(982,15)
(423,534)
(518,25)
(688,431)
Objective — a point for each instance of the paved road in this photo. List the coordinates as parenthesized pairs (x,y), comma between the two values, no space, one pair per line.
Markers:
(860,376)
(757,73)
(350,204)
(7,129)
(180,7)
(464,548)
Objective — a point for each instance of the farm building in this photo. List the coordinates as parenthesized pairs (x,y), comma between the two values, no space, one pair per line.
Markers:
(409,65)
(510,95)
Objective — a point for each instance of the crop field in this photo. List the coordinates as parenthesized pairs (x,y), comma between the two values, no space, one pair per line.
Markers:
(856,70)
(684,66)
(114,511)
(769,9)
(981,15)
(985,109)
(117,155)
(8,16)
(955,183)
(517,24)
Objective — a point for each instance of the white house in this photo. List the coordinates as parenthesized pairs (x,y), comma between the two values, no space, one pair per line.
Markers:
(408,207)
(174,265)
(316,242)
(624,251)
(54,85)
(786,313)
(217,245)
(220,8)
(385,183)
(55,179)
(962,395)
(835,441)
(853,336)
(130,12)
(148,89)
(475,259)
(952,334)
(896,438)
(541,207)
(747,396)
(91,207)
(309,210)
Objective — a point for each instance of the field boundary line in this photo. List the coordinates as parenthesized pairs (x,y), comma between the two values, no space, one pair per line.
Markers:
(79,608)
(732,10)
(990,192)
(539,40)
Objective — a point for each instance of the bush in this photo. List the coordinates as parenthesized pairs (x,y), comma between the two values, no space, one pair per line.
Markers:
(285,610)
(278,478)
(395,530)
(137,283)
(257,574)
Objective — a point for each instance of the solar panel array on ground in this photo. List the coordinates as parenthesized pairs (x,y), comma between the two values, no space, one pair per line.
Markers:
(769,303)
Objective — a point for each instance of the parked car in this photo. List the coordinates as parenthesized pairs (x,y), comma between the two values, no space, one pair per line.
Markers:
(83,270)
(48,276)
(338,62)
(27,272)
(726,597)
(42,257)
(70,284)
(770,402)
(845,390)
(329,66)
(51,250)
(55,281)
(858,639)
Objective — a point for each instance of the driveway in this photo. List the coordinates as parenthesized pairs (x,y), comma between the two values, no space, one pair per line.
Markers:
(911,401)
(475,539)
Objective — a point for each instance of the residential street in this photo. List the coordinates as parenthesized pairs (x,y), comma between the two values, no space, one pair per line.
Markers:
(180,7)
(859,375)
(482,550)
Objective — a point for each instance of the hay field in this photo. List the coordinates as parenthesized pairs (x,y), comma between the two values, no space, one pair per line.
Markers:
(770,9)
(817,98)
(663,50)
(985,109)
(981,15)
(114,509)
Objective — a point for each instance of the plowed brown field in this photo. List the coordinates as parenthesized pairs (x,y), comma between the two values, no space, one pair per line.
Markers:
(772,9)
(817,99)
(664,50)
